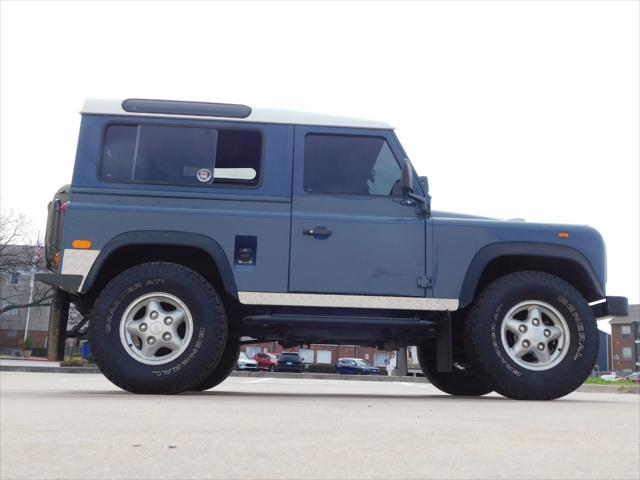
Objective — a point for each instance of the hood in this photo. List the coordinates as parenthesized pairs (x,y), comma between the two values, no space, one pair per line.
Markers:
(441,214)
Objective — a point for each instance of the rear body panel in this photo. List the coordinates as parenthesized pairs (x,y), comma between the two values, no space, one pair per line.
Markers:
(101,210)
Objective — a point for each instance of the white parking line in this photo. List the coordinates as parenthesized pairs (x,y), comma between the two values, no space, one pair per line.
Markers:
(258,380)
(419,385)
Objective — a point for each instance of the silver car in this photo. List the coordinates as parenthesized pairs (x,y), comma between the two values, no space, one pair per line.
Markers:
(245,363)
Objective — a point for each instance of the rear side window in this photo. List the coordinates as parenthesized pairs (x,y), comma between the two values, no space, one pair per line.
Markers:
(354,165)
(181,155)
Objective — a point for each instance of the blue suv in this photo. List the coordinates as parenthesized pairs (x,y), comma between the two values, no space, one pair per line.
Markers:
(355,366)
(189,226)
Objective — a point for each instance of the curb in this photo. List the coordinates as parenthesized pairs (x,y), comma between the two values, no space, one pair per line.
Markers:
(586,388)
(314,376)
(331,376)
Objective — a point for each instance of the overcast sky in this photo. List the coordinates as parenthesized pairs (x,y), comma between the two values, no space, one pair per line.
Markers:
(512,109)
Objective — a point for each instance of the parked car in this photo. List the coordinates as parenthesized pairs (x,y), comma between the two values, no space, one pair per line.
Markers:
(189,225)
(290,362)
(355,366)
(266,361)
(245,363)
(634,377)
(610,377)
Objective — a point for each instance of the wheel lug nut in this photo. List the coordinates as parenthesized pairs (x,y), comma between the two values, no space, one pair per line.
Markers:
(522,328)
(525,343)
(168,320)
(547,332)
(166,336)
(143,327)
(536,322)
(541,346)
(151,340)
(153,315)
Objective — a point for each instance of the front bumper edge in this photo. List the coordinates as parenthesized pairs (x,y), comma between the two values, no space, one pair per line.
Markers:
(611,307)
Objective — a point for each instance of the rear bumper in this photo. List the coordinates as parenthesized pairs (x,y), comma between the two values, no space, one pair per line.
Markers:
(611,307)
(68,283)
(290,369)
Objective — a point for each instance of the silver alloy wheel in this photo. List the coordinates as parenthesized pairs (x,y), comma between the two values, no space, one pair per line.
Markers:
(535,335)
(156,328)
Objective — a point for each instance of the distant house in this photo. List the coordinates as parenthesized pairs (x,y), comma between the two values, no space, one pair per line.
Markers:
(15,288)
(625,341)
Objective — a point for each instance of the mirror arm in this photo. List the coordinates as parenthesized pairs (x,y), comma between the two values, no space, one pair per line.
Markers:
(424,202)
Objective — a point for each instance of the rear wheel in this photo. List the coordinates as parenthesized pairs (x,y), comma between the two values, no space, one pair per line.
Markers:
(158,328)
(462,380)
(224,367)
(532,335)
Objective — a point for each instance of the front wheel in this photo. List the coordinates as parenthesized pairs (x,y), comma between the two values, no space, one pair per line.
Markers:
(532,336)
(460,381)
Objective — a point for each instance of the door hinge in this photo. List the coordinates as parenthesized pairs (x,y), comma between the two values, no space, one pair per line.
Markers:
(424,281)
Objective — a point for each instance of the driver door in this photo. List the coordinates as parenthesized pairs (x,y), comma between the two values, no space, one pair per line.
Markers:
(352,230)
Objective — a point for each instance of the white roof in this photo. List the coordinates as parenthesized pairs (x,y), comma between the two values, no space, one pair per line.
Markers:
(260,115)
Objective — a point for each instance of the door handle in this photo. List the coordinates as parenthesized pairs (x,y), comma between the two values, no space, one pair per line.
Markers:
(319,231)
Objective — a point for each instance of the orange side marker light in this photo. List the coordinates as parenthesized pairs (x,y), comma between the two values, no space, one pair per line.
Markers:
(563,235)
(81,244)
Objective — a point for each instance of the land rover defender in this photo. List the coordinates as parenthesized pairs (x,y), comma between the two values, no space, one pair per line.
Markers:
(190,228)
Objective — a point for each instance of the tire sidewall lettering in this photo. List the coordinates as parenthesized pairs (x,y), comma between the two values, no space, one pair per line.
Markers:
(581,336)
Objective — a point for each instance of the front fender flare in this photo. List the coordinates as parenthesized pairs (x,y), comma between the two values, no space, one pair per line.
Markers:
(524,249)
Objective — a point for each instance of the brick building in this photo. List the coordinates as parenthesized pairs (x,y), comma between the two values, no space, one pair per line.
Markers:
(625,341)
(325,354)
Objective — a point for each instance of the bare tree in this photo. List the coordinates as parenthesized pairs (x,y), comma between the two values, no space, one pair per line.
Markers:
(19,253)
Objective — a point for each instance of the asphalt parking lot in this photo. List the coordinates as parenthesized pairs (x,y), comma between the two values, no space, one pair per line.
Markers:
(81,426)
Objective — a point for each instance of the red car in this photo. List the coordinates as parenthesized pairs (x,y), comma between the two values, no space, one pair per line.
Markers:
(266,361)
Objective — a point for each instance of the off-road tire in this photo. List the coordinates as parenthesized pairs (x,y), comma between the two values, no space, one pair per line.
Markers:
(201,355)
(462,382)
(224,368)
(489,357)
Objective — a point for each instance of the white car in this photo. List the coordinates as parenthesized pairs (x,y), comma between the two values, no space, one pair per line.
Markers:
(245,363)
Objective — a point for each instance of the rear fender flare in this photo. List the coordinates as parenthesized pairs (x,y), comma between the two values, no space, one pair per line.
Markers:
(168,238)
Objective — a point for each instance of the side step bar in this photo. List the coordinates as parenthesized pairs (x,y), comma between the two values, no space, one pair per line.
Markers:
(287,320)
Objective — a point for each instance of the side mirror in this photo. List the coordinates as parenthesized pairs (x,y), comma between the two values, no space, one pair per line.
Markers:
(407,187)
(406,180)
